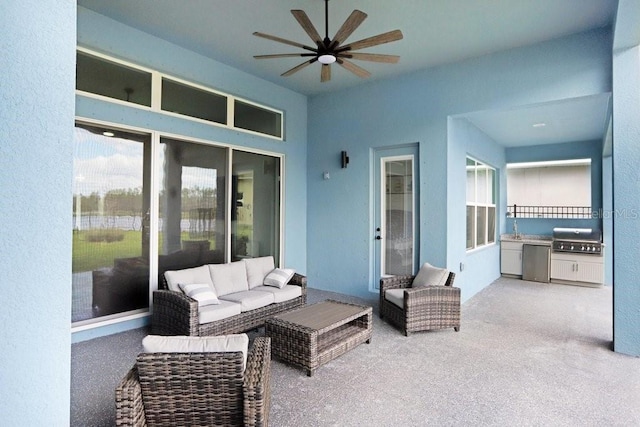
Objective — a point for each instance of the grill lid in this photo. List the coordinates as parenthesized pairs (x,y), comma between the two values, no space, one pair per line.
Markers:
(586,234)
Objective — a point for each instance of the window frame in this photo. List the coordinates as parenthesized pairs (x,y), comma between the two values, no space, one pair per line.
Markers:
(486,202)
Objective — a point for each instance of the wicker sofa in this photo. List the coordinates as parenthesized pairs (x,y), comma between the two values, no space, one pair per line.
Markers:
(420,308)
(175,313)
(197,388)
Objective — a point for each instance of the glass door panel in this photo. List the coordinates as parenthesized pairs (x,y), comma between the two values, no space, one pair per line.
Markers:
(111,197)
(398,212)
(255,210)
(191,217)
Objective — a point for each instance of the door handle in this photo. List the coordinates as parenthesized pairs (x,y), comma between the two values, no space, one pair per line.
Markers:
(378,238)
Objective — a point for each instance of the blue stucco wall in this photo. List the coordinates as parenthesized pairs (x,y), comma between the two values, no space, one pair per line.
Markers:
(415,108)
(607,218)
(626,202)
(37,51)
(105,35)
(476,268)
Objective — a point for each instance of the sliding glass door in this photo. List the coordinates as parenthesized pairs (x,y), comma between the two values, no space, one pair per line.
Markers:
(192,213)
(255,213)
(110,222)
(178,202)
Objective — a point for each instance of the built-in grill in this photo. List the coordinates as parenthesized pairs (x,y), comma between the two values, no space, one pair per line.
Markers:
(577,240)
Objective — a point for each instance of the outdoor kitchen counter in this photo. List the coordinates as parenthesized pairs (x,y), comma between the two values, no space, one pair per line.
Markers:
(527,238)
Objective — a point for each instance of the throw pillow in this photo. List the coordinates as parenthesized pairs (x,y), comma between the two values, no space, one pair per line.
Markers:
(430,276)
(200,292)
(183,344)
(279,277)
(257,269)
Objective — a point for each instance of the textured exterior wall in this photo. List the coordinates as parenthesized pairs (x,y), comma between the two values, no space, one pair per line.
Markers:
(626,200)
(482,265)
(37,57)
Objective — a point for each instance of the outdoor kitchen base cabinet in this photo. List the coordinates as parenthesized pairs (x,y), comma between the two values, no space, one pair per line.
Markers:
(511,258)
(577,269)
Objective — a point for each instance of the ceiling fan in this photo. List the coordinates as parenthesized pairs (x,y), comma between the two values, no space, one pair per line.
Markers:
(327,51)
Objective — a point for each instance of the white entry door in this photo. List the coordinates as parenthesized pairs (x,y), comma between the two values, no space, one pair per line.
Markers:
(395,231)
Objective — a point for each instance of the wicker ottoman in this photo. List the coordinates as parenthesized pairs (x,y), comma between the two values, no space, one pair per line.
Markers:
(311,336)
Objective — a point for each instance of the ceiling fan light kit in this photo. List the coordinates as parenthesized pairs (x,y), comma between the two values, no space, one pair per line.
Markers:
(328,51)
(326,59)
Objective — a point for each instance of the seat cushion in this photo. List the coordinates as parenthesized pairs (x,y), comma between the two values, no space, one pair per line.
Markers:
(181,344)
(211,313)
(229,278)
(188,276)
(430,276)
(257,269)
(250,300)
(395,296)
(279,295)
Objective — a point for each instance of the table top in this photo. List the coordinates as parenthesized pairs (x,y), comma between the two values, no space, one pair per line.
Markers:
(323,314)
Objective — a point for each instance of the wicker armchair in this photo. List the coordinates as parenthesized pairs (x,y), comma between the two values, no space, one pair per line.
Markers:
(183,389)
(424,308)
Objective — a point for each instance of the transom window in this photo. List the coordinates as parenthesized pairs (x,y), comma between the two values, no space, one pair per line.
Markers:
(113,79)
(481,204)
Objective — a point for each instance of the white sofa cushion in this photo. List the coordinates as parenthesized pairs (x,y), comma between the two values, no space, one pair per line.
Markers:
(395,296)
(211,313)
(430,276)
(201,292)
(188,276)
(279,277)
(182,344)
(229,278)
(250,300)
(257,269)
(279,295)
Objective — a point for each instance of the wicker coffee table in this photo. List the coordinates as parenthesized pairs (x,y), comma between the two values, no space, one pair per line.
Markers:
(311,336)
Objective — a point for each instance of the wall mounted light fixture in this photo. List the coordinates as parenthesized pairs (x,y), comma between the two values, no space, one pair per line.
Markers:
(344,160)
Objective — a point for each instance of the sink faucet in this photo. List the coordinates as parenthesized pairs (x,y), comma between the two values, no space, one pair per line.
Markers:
(515,229)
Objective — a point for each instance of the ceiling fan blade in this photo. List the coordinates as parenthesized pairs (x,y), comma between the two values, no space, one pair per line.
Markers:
(353,21)
(285,41)
(358,71)
(373,57)
(298,67)
(306,24)
(383,38)
(325,73)
(283,55)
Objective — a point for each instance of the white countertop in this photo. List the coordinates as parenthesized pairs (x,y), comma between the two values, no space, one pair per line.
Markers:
(527,238)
